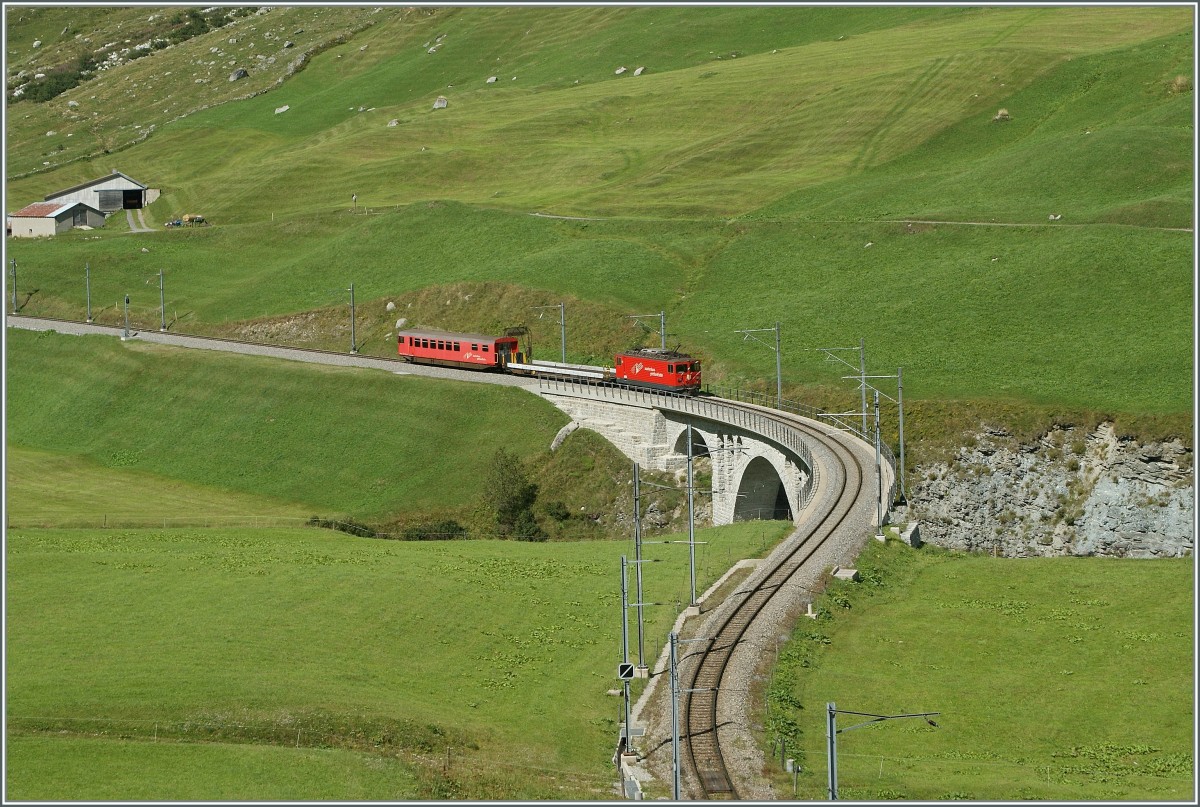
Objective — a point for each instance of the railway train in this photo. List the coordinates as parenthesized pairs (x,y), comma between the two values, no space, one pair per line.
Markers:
(648,368)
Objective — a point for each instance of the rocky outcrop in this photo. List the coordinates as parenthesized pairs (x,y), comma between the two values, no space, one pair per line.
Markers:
(1070,493)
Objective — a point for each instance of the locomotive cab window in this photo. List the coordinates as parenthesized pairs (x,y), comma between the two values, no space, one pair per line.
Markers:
(671,368)
(485,348)
(456,345)
(619,361)
(474,346)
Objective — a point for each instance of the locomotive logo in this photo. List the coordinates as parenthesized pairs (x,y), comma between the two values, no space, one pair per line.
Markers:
(637,368)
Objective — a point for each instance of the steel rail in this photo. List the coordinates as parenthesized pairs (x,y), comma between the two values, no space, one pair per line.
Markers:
(700,706)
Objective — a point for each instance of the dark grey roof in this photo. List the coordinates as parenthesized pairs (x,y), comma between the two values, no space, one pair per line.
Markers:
(92,182)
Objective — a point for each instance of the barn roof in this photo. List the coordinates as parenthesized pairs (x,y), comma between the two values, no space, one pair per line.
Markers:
(92,182)
(42,210)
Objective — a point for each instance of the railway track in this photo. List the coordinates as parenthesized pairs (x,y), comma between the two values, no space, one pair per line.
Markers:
(704,673)
(708,664)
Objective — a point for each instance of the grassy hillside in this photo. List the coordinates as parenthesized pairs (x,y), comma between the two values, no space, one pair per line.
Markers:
(1056,678)
(280,642)
(736,182)
(337,440)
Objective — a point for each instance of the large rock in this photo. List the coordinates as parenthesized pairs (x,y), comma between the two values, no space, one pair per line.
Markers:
(1070,493)
(240,73)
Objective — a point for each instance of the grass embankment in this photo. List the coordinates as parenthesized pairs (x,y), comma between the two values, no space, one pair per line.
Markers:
(1056,678)
(336,440)
(108,433)
(302,639)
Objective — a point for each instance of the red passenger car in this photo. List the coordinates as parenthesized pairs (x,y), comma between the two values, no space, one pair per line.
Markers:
(458,349)
(658,369)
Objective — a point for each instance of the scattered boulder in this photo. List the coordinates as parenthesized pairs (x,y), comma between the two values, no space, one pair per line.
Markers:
(145,250)
(491,80)
(619,71)
(37,43)
(394,122)
(441,102)
(289,44)
(72,104)
(391,306)
(1002,115)
(51,133)
(1055,216)
(638,72)
(240,73)
(282,109)
(400,323)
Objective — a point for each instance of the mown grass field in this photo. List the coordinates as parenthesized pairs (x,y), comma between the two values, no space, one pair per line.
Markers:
(1063,679)
(284,641)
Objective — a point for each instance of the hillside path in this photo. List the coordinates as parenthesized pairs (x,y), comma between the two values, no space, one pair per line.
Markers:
(134,228)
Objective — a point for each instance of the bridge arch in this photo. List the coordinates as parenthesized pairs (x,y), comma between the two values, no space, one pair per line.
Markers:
(761,493)
(699,444)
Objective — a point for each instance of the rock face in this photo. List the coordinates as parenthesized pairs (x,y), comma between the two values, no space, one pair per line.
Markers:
(1071,493)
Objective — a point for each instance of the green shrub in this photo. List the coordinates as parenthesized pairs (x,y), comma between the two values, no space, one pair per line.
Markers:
(444,530)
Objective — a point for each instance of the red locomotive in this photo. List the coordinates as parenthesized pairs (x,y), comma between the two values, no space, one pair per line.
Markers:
(657,368)
(649,368)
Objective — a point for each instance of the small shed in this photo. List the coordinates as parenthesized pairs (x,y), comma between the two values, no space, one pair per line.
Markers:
(52,218)
(116,191)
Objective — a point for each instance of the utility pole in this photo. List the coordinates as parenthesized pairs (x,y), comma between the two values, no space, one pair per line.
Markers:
(862,371)
(749,334)
(562,322)
(662,325)
(625,647)
(87,282)
(691,517)
(162,303)
(14,285)
(675,761)
(878,474)
(832,731)
(900,398)
(637,556)
(353,340)
(126,334)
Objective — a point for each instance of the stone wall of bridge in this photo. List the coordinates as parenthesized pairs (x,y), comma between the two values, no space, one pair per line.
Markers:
(752,477)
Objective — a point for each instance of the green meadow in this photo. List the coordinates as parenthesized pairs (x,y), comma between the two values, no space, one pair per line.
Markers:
(283,435)
(1061,679)
(391,657)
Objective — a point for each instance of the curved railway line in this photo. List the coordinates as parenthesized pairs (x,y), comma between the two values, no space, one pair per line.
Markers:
(707,666)
(702,683)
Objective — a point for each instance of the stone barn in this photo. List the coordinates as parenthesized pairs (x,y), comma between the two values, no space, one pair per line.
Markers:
(108,194)
(52,218)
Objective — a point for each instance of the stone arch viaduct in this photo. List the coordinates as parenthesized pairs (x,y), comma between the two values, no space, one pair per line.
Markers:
(760,467)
